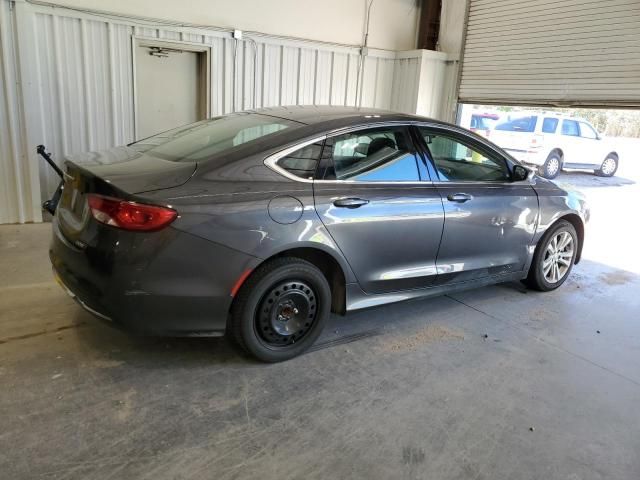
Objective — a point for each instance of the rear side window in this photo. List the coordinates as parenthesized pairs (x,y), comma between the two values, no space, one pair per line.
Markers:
(549,125)
(520,124)
(373,155)
(570,128)
(303,162)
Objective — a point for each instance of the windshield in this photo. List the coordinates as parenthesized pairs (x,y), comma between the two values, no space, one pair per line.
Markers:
(201,141)
(520,124)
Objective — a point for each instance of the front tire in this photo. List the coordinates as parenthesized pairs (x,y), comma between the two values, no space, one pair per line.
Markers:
(554,257)
(609,167)
(280,310)
(552,166)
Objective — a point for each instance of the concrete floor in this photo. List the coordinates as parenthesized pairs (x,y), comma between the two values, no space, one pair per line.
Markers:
(496,383)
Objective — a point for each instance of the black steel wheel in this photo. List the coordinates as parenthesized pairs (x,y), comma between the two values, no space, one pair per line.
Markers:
(286,314)
(280,310)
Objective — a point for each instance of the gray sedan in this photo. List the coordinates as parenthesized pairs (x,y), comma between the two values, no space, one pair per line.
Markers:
(259,224)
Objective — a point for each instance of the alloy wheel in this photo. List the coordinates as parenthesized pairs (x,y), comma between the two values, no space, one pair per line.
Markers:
(558,257)
(608,166)
(553,166)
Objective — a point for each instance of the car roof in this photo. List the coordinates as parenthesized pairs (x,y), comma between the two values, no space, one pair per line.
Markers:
(326,117)
(561,116)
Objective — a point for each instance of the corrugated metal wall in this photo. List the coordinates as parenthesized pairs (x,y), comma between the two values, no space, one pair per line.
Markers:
(79,95)
(18,201)
(552,52)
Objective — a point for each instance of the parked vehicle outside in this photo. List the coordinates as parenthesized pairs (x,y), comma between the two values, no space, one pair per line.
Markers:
(479,121)
(259,224)
(553,142)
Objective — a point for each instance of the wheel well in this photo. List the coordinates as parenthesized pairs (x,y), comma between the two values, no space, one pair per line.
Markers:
(612,154)
(558,151)
(576,221)
(329,267)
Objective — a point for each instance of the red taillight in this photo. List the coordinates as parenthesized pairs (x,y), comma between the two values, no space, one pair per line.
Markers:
(130,215)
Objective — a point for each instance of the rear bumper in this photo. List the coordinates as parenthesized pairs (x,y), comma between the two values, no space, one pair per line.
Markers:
(166,283)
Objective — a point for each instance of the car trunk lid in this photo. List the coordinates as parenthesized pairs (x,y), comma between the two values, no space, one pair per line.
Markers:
(121,173)
(130,171)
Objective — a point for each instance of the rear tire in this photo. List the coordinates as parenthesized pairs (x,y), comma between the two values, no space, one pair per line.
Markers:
(609,166)
(552,166)
(554,257)
(280,310)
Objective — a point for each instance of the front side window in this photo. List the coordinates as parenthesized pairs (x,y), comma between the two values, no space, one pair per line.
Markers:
(456,161)
(587,131)
(374,155)
(303,162)
(520,124)
(570,128)
(549,125)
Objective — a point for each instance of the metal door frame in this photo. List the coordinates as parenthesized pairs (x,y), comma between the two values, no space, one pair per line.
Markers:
(204,67)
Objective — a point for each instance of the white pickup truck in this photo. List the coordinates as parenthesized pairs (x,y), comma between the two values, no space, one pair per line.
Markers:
(552,142)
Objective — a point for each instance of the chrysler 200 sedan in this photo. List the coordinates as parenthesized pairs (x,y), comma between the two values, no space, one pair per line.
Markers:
(259,224)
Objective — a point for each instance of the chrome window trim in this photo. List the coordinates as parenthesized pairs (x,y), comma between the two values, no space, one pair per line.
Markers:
(271,160)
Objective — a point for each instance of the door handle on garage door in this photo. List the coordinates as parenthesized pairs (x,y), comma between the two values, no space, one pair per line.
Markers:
(459,197)
(350,202)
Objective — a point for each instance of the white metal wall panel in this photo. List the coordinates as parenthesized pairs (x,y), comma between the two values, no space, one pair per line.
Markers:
(570,52)
(19,185)
(80,90)
(11,182)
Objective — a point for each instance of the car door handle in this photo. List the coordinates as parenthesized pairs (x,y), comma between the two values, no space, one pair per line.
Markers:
(459,197)
(350,202)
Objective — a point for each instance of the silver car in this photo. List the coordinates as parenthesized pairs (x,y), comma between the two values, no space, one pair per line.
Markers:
(259,224)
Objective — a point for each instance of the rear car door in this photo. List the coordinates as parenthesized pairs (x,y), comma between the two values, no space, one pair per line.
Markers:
(374,196)
(489,220)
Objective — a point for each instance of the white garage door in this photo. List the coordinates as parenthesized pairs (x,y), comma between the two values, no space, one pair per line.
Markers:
(552,52)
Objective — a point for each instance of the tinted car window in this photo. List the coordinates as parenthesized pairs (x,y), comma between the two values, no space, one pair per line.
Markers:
(520,124)
(570,127)
(587,131)
(455,160)
(549,125)
(482,122)
(374,155)
(203,140)
(303,162)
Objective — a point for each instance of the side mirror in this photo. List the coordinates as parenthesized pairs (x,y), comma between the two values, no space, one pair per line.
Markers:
(521,173)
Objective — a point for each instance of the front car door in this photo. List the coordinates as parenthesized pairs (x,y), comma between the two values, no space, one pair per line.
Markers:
(374,196)
(570,142)
(489,220)
(589,148)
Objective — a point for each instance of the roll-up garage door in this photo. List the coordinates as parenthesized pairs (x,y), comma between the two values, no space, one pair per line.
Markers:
(552,52)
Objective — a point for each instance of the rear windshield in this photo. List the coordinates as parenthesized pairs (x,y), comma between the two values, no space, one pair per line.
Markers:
(520,124)
(201,141)
(483,122)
